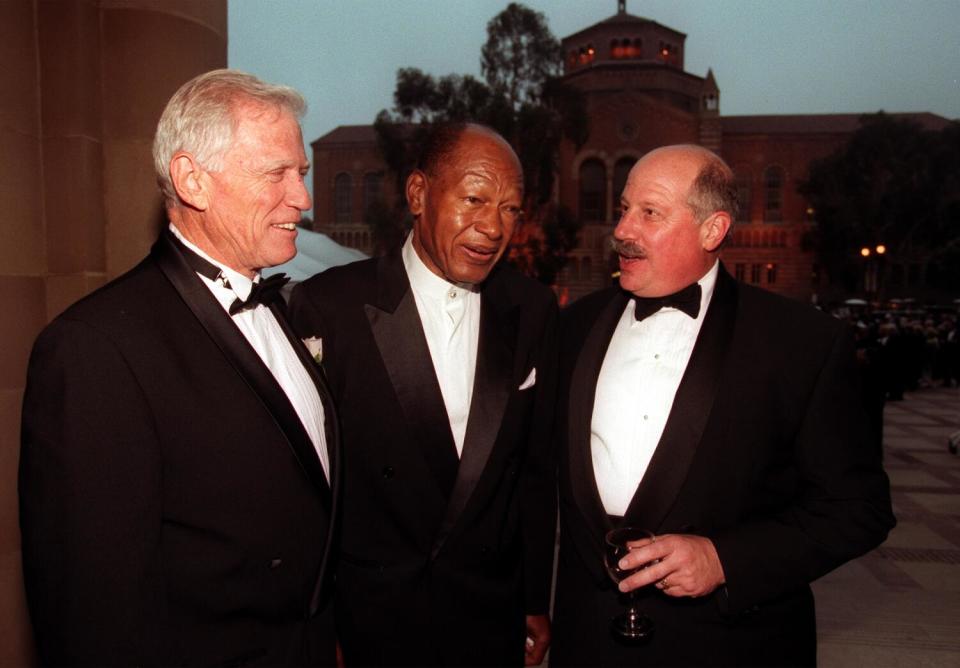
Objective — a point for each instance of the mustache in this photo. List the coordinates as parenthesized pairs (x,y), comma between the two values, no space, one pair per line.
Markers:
(627,249)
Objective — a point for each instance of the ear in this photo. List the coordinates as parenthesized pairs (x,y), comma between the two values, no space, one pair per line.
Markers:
(416,192)
(713,230)
(189,180)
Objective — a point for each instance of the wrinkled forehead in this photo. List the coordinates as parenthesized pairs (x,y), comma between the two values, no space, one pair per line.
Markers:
(669,170)
(482,155)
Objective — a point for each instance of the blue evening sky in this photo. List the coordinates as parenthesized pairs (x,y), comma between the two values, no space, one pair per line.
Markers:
(768,56)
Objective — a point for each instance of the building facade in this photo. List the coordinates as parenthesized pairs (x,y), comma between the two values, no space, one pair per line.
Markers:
(630,71)
(349,176)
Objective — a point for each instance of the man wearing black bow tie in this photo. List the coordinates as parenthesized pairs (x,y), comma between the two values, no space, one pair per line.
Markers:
(178,465)
(720,417)
(442,364)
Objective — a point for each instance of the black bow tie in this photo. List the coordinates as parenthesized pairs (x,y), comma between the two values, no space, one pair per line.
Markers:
(686,300)
(265,292)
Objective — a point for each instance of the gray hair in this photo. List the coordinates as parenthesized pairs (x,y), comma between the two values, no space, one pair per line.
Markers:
(714,188)
(201,119)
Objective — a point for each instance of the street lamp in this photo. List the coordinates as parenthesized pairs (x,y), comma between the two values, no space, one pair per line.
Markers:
(872,269)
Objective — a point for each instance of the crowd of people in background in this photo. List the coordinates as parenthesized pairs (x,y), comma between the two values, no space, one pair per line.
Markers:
(902,351)
(910,350)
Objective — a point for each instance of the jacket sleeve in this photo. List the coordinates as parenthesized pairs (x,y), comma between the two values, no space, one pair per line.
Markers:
(539,482)
(841,505)
(90,511)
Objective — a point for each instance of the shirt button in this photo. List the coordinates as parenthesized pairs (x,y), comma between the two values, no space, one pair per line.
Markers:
(645,417)
(657,356)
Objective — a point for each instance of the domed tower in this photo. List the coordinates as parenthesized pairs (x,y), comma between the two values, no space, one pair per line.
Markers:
(630,71)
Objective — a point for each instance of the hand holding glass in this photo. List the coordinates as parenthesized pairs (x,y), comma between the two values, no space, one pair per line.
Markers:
(632,625)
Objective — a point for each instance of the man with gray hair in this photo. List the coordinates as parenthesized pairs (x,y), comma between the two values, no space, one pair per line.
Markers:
(178,465)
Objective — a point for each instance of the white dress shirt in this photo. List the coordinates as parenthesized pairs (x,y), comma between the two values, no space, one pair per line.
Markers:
(635,390)
(260,328)
(450,315)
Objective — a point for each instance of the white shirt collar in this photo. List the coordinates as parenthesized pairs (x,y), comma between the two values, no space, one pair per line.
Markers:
(240,285)
(426,283)
(707,284)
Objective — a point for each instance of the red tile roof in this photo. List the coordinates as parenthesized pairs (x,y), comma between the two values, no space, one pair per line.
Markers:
(816,123)
(348,134)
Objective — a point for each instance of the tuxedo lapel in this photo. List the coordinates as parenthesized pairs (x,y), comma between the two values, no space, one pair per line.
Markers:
(691,408)
(491,390)
(397,329)
(242,357)
(583,388)
(315,371)
(332,435)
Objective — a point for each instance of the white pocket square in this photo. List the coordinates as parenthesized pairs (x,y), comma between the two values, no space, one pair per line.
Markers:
(530,381)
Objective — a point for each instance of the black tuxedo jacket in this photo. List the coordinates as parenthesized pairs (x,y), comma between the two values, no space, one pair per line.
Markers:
(766,451)
(173,509)
(441,559)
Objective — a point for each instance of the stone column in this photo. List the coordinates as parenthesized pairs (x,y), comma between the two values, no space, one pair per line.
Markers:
(83,85)
(23,267)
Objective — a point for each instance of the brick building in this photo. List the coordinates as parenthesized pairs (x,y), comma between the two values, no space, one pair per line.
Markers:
(348,176)
(630,71)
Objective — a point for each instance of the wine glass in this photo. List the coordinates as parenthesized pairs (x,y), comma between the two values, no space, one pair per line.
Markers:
(632,625)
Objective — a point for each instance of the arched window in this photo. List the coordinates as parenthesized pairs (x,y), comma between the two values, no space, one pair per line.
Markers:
(625,48)
(668,52)
(587,54)
(372,184)
(620,172)
(342,198)
(593,192)
(773,186)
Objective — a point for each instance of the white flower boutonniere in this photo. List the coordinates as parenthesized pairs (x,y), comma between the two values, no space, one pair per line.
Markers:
(315,346)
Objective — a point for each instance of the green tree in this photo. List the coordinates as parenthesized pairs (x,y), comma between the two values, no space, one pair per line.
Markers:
(523,99)
(892,183)
(520,56)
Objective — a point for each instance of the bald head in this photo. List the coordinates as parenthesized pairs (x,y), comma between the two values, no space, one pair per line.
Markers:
(677,206)
(713,188)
